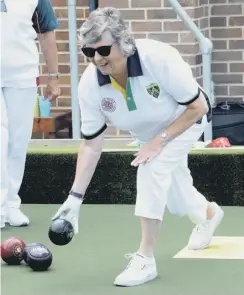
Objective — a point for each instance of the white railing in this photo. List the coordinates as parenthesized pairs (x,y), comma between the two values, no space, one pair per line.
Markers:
(206,48)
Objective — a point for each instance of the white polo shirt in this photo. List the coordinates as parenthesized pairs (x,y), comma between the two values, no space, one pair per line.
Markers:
(21,21)
(160,85)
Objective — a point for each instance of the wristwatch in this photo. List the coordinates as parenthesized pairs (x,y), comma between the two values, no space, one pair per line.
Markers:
(165,137)
(57,75)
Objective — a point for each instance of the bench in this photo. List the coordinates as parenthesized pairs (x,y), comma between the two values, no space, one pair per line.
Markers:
(58,121)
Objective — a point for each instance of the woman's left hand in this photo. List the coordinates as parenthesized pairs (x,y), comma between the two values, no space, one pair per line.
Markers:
(148,152)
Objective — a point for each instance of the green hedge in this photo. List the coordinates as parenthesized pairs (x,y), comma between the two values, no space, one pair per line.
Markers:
(48,177)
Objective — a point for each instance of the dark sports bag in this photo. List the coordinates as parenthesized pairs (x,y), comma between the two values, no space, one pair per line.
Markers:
(228,121)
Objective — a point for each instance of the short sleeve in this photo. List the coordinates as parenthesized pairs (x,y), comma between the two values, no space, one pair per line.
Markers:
(177,78)
(44,18)
(93,121)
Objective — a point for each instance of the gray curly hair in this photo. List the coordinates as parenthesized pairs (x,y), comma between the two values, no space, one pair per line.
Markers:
(107,19)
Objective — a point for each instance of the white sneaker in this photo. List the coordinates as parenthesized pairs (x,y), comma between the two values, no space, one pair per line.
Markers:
(17,218)
(202,234)
(139,270)
(2,221)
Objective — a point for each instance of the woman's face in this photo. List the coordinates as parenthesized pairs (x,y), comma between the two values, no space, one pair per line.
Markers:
(112,64)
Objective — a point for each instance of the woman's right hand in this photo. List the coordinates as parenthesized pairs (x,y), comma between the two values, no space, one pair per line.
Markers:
(70,211)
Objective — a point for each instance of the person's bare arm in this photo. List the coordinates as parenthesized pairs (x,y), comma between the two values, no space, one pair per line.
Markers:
(87,161)
(49,49)
(194,112)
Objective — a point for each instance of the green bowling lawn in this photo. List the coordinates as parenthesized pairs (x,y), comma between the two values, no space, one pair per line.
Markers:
(89,264)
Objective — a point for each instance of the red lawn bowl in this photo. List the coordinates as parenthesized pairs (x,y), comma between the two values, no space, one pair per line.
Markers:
(12,250)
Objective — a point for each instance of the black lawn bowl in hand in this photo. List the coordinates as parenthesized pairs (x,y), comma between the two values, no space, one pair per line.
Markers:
(39,258)
(61,232)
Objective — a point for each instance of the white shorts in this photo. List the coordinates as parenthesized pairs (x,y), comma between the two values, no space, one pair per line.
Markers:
(167,181)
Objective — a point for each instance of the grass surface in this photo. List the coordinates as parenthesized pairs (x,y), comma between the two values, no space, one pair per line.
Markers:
(90,263)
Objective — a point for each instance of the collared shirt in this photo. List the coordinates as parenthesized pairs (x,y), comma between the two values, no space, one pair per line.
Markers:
(21,22)
(160,85)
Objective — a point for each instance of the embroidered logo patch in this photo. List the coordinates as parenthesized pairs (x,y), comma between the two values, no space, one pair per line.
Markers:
(108,105)
(153,90)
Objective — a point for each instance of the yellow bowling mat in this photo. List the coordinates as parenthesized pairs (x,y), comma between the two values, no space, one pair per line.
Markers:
(220,248)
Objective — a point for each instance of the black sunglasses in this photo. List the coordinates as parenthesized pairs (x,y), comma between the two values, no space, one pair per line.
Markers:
(102,50)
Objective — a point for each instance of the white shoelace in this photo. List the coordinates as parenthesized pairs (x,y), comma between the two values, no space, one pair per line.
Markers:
(202,227)
(137,262)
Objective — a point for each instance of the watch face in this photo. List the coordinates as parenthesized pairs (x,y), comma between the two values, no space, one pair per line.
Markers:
(57,75)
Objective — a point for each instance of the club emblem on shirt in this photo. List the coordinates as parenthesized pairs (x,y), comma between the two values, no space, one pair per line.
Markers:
(108,104)
(153,90)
